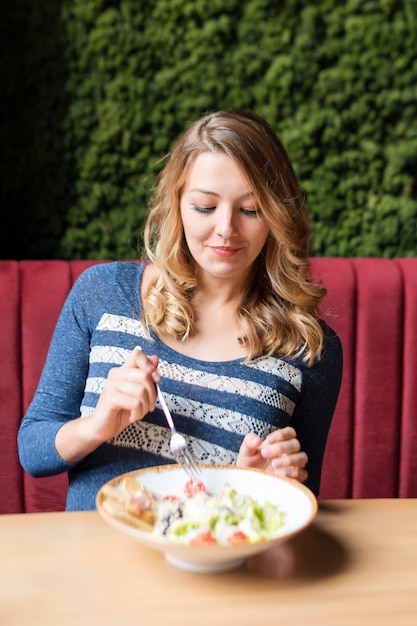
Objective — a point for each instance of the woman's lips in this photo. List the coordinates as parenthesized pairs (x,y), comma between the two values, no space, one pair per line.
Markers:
(225,251)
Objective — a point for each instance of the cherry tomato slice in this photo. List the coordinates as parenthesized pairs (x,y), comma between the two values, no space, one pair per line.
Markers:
(202,538)
(171,498)
(238,537)
(194,486)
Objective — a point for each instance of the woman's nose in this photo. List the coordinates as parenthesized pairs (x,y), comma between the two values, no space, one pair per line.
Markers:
(226,225)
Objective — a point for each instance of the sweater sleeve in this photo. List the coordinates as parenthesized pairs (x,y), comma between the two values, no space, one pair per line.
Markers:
(61,386)
(313,415)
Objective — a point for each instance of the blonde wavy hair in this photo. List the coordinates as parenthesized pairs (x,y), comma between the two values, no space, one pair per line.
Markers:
(279,312)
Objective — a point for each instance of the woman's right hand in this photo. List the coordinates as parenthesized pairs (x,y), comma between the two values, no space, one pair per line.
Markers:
(128,395)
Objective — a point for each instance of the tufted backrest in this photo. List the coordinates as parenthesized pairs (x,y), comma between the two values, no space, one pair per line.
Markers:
(371,303)
(32,294)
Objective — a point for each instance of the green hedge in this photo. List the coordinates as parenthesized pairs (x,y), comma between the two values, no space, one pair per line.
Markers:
(97,91)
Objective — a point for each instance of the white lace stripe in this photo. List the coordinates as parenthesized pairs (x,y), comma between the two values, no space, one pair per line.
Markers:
(277,367)
(109,354)
(216,382)
(122,324)
(225,419)
(95,384)
(155,440)
(86,410)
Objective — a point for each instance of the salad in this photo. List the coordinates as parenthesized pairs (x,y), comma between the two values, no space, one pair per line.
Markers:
(198,517)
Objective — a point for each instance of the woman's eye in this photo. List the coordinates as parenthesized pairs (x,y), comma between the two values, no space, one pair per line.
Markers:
(203,209)
(252,212)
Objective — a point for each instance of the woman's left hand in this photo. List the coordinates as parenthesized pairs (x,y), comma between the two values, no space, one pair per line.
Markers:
(280,453)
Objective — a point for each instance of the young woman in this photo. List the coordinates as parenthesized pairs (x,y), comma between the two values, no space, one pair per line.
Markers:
(222,314)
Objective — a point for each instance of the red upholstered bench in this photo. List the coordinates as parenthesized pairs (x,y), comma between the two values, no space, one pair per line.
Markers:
(372,304)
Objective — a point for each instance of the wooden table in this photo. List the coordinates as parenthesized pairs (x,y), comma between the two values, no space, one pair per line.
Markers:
(356,564)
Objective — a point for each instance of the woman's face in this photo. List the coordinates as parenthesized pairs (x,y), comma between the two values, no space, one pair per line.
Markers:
(223,226)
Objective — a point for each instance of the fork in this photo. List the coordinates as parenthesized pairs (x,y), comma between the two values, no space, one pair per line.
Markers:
(178,445)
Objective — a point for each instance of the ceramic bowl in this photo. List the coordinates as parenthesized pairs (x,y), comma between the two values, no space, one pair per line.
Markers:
(294,499)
